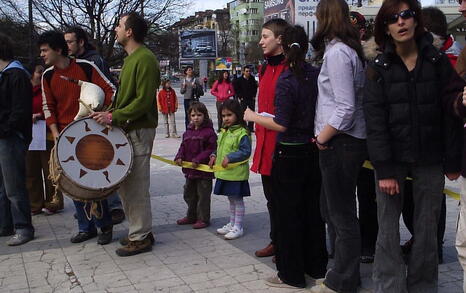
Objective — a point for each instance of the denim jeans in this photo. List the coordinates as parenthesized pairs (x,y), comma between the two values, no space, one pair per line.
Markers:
(390,274)
(300,230)
(114,202)
(15,209)
(340,165)
(88,223)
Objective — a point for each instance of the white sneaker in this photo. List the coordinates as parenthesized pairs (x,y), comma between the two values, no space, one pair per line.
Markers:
(225,229)
(234,233)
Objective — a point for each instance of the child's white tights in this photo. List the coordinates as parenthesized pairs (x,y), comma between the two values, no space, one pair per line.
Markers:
(236,211)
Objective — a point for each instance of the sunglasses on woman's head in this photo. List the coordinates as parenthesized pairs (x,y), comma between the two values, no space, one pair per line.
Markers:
(405,14)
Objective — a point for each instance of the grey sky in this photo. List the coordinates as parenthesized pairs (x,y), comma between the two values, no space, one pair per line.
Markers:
(200,5)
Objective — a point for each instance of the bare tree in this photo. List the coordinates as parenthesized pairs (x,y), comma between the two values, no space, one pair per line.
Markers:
(224,36)
(98,17)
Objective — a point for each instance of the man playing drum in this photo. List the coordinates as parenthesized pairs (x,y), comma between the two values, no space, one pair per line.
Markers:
(135,111)
(60,105)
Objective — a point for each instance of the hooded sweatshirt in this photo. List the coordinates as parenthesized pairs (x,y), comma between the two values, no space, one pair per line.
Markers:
(15,102)
(196,146)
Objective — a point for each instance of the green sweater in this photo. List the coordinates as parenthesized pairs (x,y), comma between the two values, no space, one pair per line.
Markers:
(134,107)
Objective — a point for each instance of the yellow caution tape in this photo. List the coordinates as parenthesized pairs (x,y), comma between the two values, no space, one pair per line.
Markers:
(448,192)
(200,167)
(216,168)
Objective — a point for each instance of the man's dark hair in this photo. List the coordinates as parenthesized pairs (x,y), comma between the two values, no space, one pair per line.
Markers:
(6,48)
(80,35)
(137,24)
(246,67)
(435,21)
(55,40)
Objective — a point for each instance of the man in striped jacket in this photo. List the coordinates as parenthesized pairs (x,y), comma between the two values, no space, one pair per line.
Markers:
(60,105)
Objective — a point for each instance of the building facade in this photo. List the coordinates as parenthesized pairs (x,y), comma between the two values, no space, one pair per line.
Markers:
(246,17)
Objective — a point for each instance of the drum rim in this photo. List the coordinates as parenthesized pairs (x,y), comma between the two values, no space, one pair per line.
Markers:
(115,185)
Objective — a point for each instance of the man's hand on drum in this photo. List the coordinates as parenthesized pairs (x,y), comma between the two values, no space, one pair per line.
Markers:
(104,118)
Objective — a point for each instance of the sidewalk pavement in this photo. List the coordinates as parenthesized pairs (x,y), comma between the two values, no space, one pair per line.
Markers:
(183,259)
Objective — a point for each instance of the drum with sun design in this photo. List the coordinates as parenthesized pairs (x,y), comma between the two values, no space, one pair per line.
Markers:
(92,159)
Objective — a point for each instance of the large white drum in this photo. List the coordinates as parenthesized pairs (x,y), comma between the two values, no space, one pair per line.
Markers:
(92,160)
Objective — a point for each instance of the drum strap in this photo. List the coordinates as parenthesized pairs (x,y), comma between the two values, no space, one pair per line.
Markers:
(94,209)
(54,170)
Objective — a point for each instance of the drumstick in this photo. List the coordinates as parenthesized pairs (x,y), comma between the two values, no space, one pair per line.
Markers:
(92,111)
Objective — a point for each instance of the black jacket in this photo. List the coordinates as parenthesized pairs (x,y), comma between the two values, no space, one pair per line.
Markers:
(409,115)
(245,88)
(15,104)
(94,57)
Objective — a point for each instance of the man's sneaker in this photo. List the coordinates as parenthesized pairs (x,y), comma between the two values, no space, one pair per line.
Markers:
(135,247)
(321,288)
(185,221)
(83,236)
(106,236)
(234,233)
(175,136)
(225,229)
(276,282)
(200,225)
(125,240)
(49,212)
(118,216)
(19,239)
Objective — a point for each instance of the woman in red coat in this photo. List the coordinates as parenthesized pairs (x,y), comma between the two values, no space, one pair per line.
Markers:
(272,32)
(45,200)
(167,103)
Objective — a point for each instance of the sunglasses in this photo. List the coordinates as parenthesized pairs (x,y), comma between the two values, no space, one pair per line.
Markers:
(405,14)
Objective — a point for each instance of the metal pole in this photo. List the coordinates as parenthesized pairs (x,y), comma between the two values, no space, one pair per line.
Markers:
(142,8)
(31,32)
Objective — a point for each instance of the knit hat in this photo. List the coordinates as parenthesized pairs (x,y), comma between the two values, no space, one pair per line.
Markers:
(357,20)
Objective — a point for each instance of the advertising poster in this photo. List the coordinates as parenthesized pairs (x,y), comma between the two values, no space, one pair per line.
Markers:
(224,63)
(198,44)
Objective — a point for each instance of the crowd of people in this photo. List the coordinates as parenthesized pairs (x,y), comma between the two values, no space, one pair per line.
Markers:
(393,94)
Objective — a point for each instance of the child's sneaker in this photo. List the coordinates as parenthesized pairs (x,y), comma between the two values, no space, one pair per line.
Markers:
(234,233)
(225,229)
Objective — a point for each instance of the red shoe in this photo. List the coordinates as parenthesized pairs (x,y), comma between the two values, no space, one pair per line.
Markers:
(267,251)
(185,221)
(200,225)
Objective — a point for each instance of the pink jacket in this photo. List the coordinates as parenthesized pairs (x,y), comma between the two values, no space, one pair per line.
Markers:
(222,91)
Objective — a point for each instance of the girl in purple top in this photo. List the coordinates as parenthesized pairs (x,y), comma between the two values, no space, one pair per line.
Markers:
(199,141)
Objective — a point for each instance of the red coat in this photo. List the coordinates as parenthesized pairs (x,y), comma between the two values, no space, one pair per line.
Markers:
(167,101)
(265,138)
(37,100)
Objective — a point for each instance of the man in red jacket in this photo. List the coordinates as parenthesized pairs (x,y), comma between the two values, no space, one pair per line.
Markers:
(270,43)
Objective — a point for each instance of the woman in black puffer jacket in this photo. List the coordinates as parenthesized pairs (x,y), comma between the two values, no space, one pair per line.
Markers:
(410,94)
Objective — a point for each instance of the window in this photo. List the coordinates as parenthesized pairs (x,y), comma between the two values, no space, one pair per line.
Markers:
(253,10)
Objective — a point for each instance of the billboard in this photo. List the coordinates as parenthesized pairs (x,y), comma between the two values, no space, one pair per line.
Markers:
(279,9)
(298,12)
(223,63)
(198,44)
